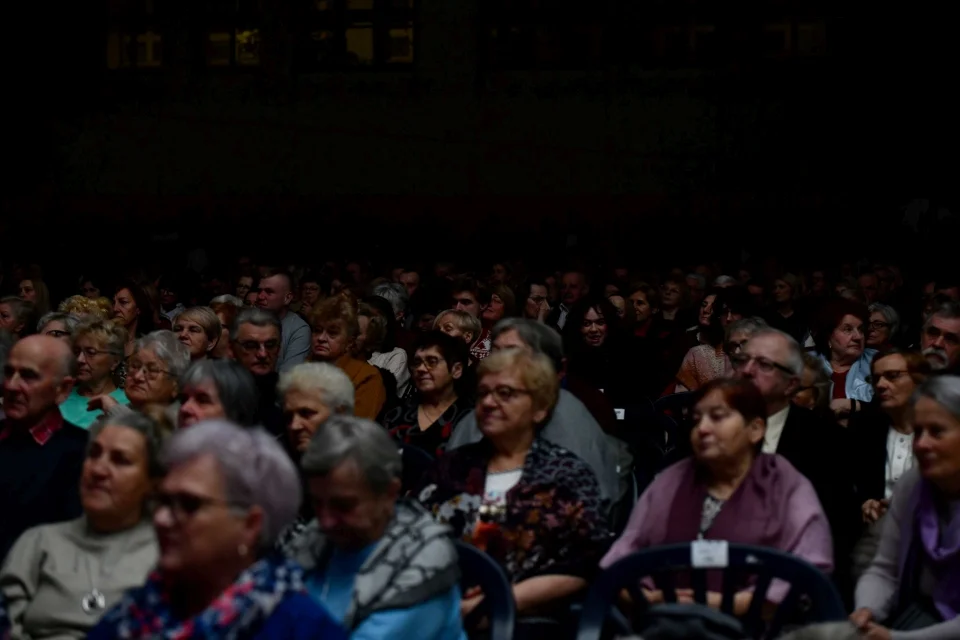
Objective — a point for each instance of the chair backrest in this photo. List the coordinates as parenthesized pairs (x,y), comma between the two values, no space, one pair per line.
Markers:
(821,601)
(416,462)
(477,569)
(676,404)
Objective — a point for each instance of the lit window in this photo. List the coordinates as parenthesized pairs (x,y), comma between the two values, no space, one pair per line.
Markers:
(360,45)
(401,46)
(218,49)
(248,47)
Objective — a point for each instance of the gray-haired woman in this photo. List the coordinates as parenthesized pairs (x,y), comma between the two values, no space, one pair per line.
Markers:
(58,325)
(227,494)
(217,389)
(59,578)
(382,566)
(883,326)
(98,345)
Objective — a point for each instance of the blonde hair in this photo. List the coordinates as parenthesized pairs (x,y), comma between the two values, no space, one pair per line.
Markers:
(112,336)
(206,318)
(465,322)
(340,308)
(534,369)
(82,306)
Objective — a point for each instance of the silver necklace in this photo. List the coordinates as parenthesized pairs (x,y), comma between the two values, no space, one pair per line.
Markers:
(94,601)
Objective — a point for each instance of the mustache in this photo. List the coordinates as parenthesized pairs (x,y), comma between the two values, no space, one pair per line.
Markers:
(939,354)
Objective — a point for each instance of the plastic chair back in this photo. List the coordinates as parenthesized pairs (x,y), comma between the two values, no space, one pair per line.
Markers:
(477,569)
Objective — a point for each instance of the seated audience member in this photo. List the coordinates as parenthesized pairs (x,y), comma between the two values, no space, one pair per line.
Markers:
(840,338)
(381,565)
(153,372)
(912,588)
(534,507)
(335,330)
(17,316)
(427,419)
(459,324)
(198,328)
(375,344)
(814,390)
(228,492)
(41,454)
(227,313)
(255,340)
(219,389)
(59,578)
(729,490)
(98,347)
(58,325)
(571,424)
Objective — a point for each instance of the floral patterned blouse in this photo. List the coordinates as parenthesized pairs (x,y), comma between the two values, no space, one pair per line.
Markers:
(403,423)
(552,523)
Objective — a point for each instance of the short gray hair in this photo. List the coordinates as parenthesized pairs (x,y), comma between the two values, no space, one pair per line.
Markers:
(235,387)
(948,311)
(69,321)
(699,279)
(368,444)
(749,326)
(889,314)
(725,281)
(258,318)
(256,470)
(145,426)
(536,335)
(944,390)
(335,389)
(395,294)
(794,352)
(168,348)
(227,299)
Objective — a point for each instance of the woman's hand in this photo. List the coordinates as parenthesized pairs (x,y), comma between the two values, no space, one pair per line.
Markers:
(543,310)
(873,510)
(467,605)
(103,403)
(862,618)
(840,407)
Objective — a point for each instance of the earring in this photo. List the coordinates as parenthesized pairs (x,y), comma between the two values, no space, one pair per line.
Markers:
(242,550)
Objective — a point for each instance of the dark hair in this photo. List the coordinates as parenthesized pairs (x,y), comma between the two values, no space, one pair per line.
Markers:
(741,395)
(271,272)
(452,349)
(737,300)
(651,292)
(830,317)
(466,284)
(145,319)
(385,310)
(917,366)
(573,342)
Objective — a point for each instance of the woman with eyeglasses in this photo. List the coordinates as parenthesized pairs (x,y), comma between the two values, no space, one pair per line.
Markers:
(98,345)
(840,338)
(534,507)
(883,327)
(227,494)
(884,442)
(427,419)
(59,579)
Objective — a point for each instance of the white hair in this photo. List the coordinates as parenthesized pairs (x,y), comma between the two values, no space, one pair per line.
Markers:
(174,354)
(395,294)
(328,381)
(256,470)
(794,351)
(343,438)
(227,299)
(725,281)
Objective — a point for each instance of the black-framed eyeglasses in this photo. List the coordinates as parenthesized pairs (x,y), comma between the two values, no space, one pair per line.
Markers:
(430,362)
(185,505)
(151,371)
(741,360)
(889,376)
(878,325)
(501,394)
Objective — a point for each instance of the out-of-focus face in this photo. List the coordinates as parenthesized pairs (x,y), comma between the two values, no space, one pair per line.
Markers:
(846,341)
(706,310)
(250,300)
(33,380)
(641,306)
(222,349)
(936,444)
(878,331)
(782,291)
(670,295)
(348,512)
(573,287)
(594,328)
(56,329)
(149,380)
(721,434)
(194,337)
(467,301)
(304,413)
(168,297)
(27,291)
(257,348)
(504,406)
(619,304)
(244,285)
(309,293)
(806,395)
(364,323)
(892,381)
(125,309)
(90,290)
(870,286)
(538,296)
(411,280)
(818,283)
(199,402)
(431,373)
(499,273)
(9,321)
(493,312)
(330,341)
(448,324)
(115,482)
(274,294)
(940,341)
(425,321)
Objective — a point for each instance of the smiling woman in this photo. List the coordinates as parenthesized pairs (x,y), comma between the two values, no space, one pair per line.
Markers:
(59,579)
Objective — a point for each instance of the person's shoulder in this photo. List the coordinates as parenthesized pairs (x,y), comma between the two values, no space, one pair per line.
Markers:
(810,419)
(299,617)
(72,436)
(294,321)
(557,455)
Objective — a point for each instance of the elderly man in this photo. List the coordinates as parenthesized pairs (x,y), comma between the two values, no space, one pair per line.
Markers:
(255,341)
(940,339)
(41,455)
(276,295)
(571,426)
(380,564)
(773,362)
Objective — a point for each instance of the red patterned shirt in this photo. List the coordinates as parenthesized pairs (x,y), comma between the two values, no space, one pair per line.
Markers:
(42,431)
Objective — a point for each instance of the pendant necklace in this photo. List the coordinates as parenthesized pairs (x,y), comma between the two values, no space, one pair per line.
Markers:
(94,601)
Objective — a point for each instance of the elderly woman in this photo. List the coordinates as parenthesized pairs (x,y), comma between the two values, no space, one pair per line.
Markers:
(58,325)
(427,419)
(840,341)
(98,345)
(60,578)
(335,330)
(729,490)
(199,328)
(502,304)
(883,326)
(227,494)
(490,491)
(16,316)
(217,389)
(370,346)
(458,324)
(739,331)
(153,372)
(815,386)
(883,441)
(381,565)
(312,392)
(912,588)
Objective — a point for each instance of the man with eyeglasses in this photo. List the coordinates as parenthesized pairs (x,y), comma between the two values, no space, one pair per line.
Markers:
(255,342)
(773,362)
(41,455)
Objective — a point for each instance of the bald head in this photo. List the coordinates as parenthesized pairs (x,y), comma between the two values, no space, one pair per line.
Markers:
(48,353)
(37,378)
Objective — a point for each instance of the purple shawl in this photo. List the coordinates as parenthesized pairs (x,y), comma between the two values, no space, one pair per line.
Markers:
(924,546)
(775,506)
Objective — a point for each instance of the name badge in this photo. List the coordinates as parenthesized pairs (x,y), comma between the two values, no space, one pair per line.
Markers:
(709,554)
(620,413)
